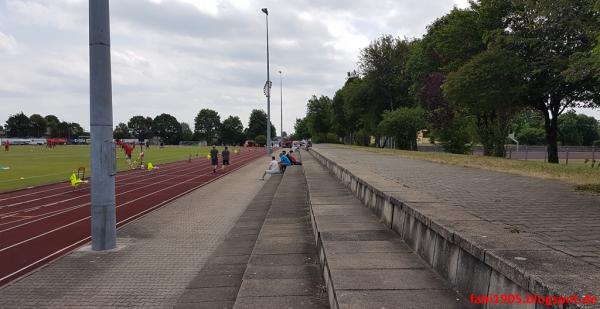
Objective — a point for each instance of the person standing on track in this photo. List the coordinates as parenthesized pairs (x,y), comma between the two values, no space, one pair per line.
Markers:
(225,156)
(214,158)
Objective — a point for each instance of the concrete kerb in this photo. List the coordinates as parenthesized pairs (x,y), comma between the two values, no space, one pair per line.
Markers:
(333,302)
(500,262)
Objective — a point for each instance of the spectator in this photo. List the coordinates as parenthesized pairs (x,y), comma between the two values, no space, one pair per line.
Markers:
(284,161)
(293,159)
(273,168)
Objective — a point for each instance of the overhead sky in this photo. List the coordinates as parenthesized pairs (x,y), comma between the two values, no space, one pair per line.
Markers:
(179,56)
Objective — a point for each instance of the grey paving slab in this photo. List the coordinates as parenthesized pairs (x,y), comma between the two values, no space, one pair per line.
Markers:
(218,282)
(159,254)
(284,270)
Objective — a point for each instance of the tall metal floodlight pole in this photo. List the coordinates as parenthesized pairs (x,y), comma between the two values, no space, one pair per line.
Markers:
(268,89)
(104,231)
(281,100)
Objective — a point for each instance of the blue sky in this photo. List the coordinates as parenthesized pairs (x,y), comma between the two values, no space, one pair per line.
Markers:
(179,56)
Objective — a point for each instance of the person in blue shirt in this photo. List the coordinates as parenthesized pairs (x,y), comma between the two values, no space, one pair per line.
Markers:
(284,161)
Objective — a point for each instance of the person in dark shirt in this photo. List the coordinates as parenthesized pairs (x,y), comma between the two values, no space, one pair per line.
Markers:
(214,158)
(225,155)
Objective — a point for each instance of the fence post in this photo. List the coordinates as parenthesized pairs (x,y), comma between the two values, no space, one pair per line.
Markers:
(593,153)
(509,153)
(546,154)
(567,162)
(526,152)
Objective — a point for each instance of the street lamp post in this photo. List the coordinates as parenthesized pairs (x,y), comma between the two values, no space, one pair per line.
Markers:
(281,100)
(268,89)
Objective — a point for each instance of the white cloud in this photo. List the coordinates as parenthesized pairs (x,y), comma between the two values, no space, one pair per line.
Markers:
(8,44)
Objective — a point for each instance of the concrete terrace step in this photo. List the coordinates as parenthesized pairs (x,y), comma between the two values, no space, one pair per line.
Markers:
(365,264)
(283,271)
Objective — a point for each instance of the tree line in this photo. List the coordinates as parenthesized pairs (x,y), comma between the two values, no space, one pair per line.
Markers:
(37,126)
(207,127)
(476,75)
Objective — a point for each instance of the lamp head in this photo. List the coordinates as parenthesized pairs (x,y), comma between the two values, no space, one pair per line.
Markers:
(264,10)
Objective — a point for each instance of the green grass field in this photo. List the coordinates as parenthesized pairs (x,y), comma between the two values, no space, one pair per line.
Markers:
(581,175)
(37,165)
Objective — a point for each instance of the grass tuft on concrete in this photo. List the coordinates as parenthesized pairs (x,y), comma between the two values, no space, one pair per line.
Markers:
(582,176)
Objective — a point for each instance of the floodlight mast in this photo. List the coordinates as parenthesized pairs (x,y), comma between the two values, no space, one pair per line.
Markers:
(102,156)
(268,88)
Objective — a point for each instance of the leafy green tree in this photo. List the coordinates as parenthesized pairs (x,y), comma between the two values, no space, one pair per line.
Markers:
(301,129)
(140,127)
(491,88)
(74,130)
(260,140)
(38,125)
(186,132)
(554,38)
(206,125)
(403,124)
(257,125)
(319,116)
(18,125)
(232,131)
(53,123)
(577,129)
(121,131)
(167,128)
(383,62)
(531,136)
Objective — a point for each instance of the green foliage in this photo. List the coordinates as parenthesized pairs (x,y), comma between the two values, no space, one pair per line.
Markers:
(18,125)
(232,131)
(301,129)
(121,131)
(53,123)
(554,38)
(39,125)
(260,140)
(490,87)
(206,125)
(167,128)
(257,125)
(531,136)
(319,117)
(403,124)
(140,127)
(577,129)
(186,132)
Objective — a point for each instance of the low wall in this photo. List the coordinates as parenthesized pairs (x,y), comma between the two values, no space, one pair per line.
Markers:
(475,256)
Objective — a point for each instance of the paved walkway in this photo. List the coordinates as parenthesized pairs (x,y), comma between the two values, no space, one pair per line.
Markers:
(159,255)
(552,211)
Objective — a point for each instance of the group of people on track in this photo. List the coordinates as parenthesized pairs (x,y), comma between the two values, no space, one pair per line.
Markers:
(214,158)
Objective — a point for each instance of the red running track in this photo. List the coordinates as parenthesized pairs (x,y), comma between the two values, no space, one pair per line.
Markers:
(41,224)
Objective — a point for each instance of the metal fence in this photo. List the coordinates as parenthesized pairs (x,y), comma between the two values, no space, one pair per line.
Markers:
(521,152)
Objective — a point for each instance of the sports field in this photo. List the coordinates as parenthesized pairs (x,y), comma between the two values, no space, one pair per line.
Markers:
(26,166)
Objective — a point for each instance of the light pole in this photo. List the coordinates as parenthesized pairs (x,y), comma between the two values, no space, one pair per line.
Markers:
(281,100)
(268,89)
(102,156)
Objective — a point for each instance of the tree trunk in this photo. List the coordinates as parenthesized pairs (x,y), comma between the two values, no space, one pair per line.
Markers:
(551,128)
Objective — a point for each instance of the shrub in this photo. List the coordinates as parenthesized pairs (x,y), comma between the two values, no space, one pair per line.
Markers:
(261,140)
